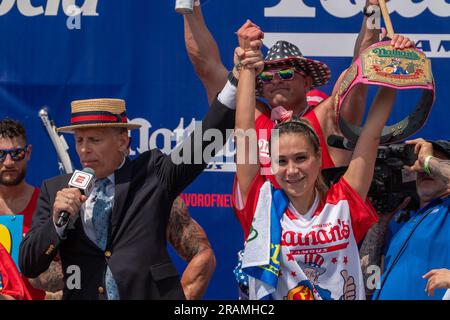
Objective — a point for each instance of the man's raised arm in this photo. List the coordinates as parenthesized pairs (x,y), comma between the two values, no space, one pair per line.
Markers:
(204,53)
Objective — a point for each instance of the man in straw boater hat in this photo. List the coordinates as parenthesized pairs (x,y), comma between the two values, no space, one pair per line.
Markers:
(116,237)
(285,82)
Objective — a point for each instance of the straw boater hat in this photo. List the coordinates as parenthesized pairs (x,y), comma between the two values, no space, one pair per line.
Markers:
(98,113)
(286,54)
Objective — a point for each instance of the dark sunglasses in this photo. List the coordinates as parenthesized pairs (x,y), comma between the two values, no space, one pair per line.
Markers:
(16,154)
(283,74)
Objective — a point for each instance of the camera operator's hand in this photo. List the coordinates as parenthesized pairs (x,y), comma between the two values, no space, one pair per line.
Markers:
(437,279)
(422,149)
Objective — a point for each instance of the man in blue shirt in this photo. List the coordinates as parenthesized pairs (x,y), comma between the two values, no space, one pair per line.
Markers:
(421,248)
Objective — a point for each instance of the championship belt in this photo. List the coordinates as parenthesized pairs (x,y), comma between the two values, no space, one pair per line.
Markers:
(382,65)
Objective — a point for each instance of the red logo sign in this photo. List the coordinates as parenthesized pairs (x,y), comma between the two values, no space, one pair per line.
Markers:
(80,179)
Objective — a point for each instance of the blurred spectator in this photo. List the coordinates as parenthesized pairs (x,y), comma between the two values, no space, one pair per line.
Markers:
(18,197)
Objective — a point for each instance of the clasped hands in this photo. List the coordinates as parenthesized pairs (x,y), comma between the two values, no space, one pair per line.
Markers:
(248,55)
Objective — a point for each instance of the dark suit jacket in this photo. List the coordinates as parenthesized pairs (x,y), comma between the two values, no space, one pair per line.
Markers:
(145,189)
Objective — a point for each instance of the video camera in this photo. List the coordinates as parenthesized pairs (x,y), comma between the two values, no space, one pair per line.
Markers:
(391,183)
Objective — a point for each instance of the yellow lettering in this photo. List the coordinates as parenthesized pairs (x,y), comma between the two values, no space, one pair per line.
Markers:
(275,254)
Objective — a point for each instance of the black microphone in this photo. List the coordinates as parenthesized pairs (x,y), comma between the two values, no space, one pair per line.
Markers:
(339,142)
(84,181)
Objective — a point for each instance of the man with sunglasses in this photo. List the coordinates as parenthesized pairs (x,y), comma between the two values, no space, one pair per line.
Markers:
(16,195)
(14,155)
(287,78)
(19,197)
(285,82)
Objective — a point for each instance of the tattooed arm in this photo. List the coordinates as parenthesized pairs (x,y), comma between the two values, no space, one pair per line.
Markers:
(371,252)
(51,281)
(190,242)
(440,169)
(371,248)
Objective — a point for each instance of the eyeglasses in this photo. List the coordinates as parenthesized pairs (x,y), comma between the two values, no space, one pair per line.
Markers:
(282,74)
(16,154)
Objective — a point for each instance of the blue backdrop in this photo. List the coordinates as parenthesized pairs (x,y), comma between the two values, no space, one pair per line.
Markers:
(135,50)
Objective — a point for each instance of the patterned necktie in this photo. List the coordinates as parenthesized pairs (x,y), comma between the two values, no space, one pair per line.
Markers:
(100,219)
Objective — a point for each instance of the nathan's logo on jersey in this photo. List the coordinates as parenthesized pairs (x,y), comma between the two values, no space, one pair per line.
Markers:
(332,233)
(30,8)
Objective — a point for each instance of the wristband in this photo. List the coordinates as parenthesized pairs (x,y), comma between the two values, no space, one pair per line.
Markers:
(228,96)
(426,167)
(233,80)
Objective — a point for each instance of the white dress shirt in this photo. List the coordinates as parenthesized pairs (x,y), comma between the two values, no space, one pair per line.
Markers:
(87,208)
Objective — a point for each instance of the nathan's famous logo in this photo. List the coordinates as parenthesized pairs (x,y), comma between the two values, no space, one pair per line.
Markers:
(435,42)
(167,140)
(350,8)
(386,53)
(396,64)
(52,7)
(334,233)
(220,157)
(399,67)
